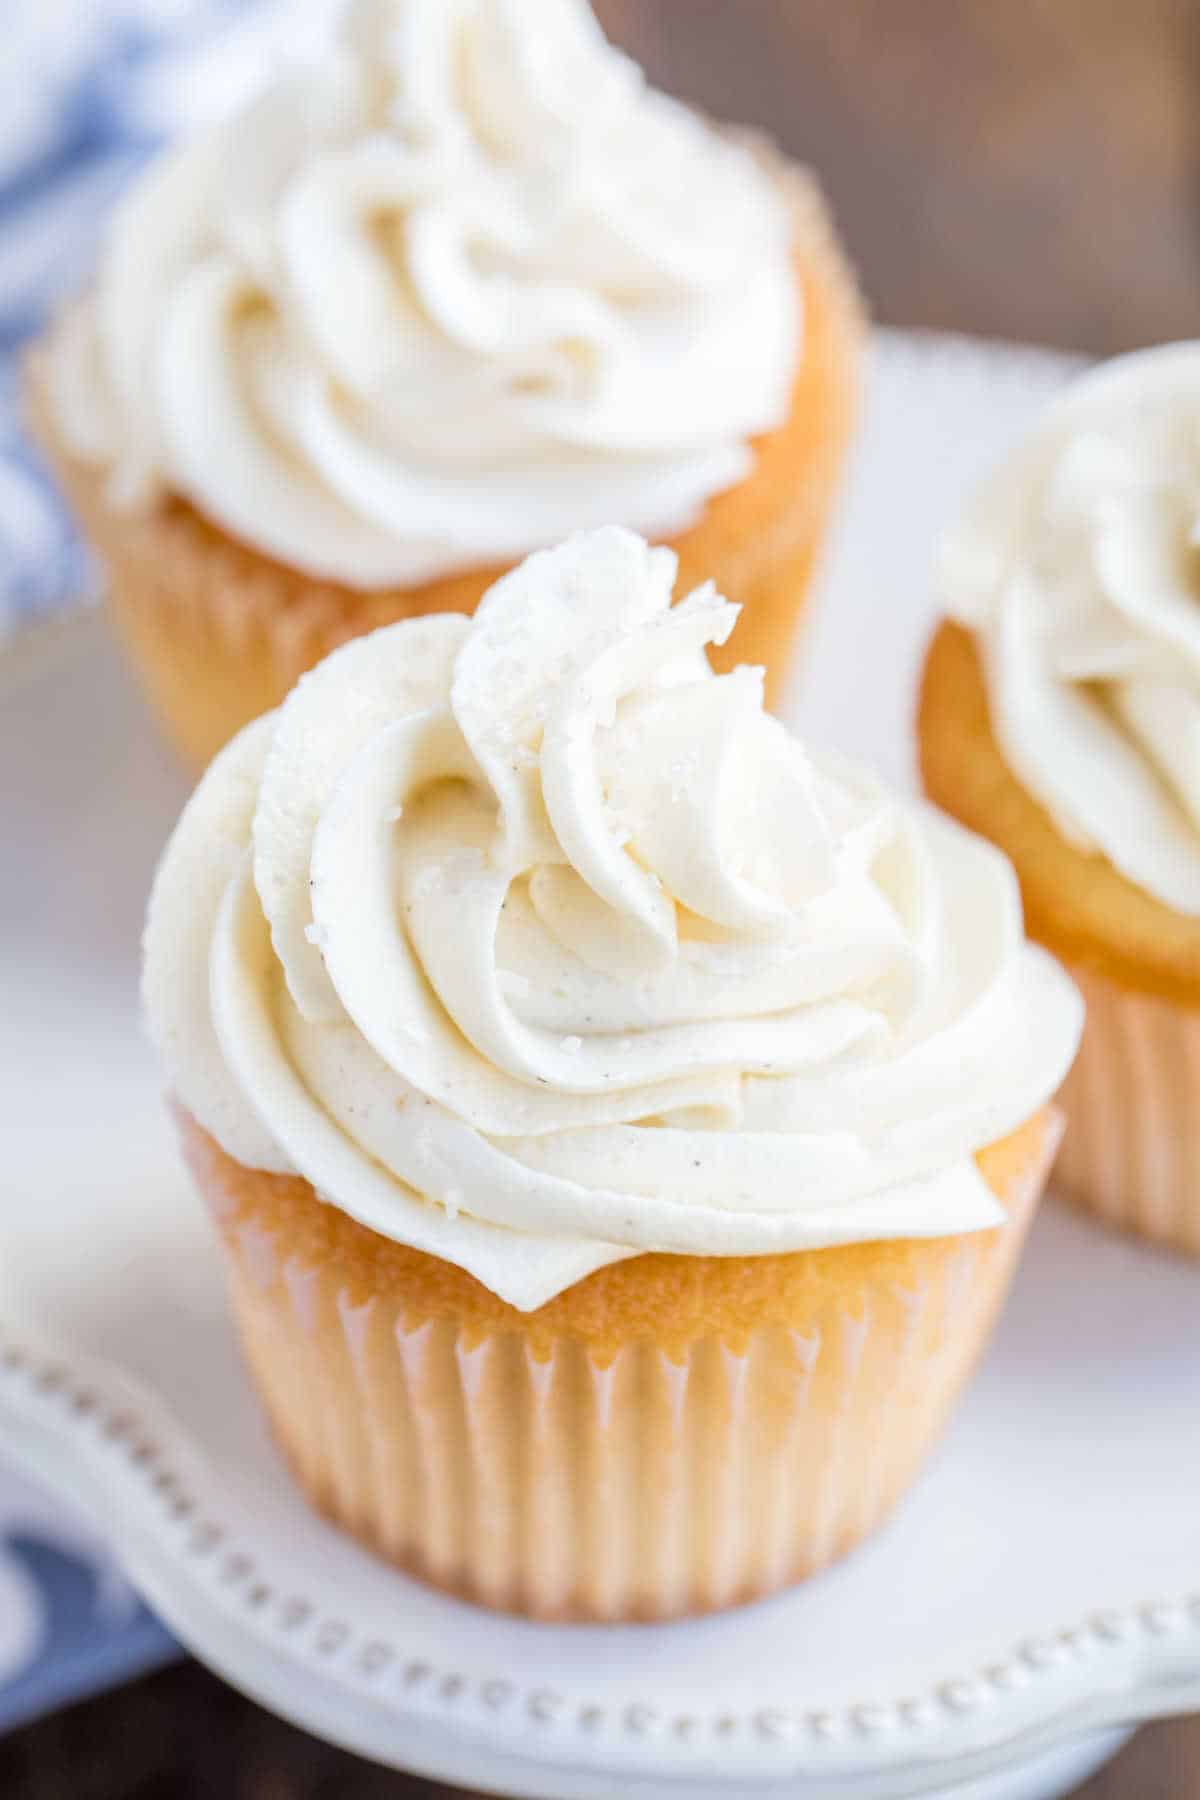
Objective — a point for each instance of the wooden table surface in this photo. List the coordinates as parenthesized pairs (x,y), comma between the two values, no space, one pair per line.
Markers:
(1023,170)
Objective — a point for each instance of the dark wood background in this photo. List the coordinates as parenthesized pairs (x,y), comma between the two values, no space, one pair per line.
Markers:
(1019,168)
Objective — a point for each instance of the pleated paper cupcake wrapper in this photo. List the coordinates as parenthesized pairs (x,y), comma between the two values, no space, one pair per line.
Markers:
(643,1487)
(220,634)
(1132,1149)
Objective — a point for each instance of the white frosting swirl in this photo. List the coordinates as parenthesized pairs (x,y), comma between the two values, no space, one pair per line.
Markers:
(1078,566)
(537,918)
(467,286)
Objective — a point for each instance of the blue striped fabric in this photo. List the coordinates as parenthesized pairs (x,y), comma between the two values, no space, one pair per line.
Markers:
(88,88)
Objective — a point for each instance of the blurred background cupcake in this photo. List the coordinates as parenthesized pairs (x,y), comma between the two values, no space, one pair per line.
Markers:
(1060,716)
(457,288)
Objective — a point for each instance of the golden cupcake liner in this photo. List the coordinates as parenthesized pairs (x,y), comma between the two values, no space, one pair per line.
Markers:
(216,632)
(1132,1149)
(220,633)
(546,1479)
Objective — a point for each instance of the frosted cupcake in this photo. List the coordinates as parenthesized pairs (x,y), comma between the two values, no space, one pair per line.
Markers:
(1060,716)
(622,1126)
(464,288)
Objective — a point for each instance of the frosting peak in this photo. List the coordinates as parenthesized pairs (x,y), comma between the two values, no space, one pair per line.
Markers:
(465,287)
(533,943)
(1078,566)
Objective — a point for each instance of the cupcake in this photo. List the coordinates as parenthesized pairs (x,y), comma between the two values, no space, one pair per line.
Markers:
(621,1125)
(1060,717)
(466,287)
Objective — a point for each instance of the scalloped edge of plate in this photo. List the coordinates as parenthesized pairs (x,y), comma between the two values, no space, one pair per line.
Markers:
(99,1440)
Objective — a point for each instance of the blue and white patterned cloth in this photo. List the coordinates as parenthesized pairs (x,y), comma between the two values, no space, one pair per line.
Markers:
(70,1624)
(88,88)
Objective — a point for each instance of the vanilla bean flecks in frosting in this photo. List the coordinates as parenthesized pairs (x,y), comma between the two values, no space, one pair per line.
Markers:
(1078,566)
(533,943)
(466,287)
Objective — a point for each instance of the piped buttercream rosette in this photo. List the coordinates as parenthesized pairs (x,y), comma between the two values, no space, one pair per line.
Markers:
(534,944)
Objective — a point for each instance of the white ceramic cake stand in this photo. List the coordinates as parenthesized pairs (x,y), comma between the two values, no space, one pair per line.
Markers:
(1039,1590)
